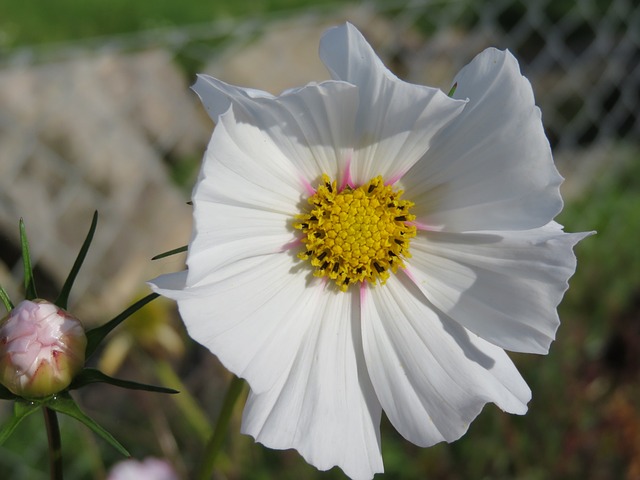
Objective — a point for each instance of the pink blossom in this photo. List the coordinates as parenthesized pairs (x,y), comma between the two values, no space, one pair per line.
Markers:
(42,348)
(148,469)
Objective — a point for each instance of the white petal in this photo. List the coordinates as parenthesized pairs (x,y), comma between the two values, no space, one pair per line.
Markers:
(259,166)
(396,120)
(312,126)
(431,375)
(491,168)
(252,314)
(169,284)
(504,286)
(324,406)
(217,96)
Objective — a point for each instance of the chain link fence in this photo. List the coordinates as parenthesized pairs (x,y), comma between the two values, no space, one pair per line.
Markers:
(103,124)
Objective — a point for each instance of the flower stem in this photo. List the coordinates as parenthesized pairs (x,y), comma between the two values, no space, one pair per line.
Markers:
(55,444)
(215,442)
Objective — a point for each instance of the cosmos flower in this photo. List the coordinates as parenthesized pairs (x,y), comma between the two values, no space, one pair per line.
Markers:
(42,348)
(366,244)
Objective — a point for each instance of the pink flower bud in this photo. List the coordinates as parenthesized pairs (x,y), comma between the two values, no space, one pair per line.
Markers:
(41,349)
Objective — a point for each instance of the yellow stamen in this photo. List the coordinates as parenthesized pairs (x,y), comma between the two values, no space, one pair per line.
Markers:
(356,234)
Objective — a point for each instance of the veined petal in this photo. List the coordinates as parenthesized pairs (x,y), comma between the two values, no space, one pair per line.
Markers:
(227,233)
(324,405)
(252,314)
(491,168)
(503,286)
(431,375)
(396,121)
(260,163)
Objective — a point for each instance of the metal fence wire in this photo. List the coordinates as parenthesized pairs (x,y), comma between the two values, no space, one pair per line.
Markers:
(65,109)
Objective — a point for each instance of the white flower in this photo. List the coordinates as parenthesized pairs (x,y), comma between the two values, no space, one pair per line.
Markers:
(463,264)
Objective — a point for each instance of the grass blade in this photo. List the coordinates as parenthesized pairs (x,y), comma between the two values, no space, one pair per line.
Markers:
(63,298)
(170,252)
(96,335)
(63,403)
(91,375)
(4,297)
(21,410)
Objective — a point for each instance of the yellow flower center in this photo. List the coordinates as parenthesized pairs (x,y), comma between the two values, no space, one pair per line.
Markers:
(356,234)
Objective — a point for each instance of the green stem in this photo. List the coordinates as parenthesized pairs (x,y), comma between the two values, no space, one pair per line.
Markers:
(217,439)
(55,444)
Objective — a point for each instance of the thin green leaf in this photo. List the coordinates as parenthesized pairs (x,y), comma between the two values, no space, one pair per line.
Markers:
(4,297)
(29,283)
(453,89)
(63,403)
(63,298)
(96,335)
(170,252)
(92,375)
(21,410)
(6,394)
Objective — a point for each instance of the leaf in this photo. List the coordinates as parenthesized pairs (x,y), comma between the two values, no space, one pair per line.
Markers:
(453,89)
(29,283)
(63,298)
(92,375)
(63,403)
(170,252)
(96,335)
(4,297)
(21,410)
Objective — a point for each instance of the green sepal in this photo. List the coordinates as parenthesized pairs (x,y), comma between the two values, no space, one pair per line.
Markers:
(170,252)
(92,375)
(96,335)
(453,89)
(4,297)
(63,298)
(21,410)
(6,394)
(29,283)
(63,403)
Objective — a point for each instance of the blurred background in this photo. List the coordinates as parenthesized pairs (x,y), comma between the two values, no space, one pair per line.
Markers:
(96,114)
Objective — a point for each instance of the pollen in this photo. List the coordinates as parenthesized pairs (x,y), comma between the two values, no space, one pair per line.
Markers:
(356,234)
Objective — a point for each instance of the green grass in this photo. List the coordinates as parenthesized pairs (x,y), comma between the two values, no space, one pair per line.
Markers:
(42,21)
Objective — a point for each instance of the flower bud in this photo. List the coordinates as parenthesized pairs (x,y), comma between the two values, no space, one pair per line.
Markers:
(41,349)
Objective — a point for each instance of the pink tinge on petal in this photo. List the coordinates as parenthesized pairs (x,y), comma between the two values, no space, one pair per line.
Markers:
(307,186)
(424,227)
(346,176)
(363,292)
(295,243)
(410,275)
(395,178)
